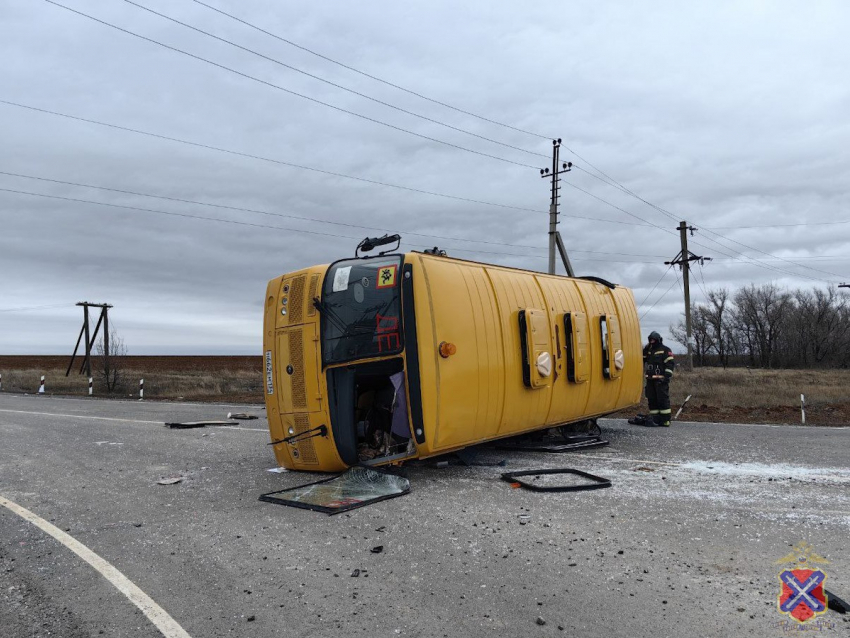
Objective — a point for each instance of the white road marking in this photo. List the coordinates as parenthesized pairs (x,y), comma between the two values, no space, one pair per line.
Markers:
(167,626)
(109,418)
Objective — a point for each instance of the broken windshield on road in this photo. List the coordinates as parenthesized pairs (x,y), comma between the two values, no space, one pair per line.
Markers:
(361,309)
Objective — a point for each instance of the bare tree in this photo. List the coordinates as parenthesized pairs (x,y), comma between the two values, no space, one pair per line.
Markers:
(717,317)
(700,333)
(760,318)
(111,364)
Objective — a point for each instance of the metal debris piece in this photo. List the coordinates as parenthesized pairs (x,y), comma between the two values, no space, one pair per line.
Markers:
(170,481)
(569,443)
(594,482)
(197,424)
(242,416)
(377,550)
(355,573)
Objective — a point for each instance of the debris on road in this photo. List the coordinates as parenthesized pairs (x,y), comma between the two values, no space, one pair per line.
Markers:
(355,573)
(356,487)
(592,482)
(170,481)
(540,620)
(377,550)
(242,416)
(277,470)
(197,424)
(553,444)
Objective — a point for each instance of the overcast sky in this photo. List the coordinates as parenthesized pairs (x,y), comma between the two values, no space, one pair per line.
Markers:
(730,115)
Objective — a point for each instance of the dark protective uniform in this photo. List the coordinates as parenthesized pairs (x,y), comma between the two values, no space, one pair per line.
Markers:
(658,362)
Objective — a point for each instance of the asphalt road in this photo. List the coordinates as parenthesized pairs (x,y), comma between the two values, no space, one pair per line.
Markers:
(685,543)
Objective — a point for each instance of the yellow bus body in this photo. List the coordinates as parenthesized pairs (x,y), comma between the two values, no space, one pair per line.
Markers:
(505,324)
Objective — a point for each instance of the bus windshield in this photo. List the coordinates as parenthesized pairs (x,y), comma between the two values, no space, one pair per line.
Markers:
(361,309)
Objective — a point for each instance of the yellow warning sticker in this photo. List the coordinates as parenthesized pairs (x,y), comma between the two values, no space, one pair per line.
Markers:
(386,276)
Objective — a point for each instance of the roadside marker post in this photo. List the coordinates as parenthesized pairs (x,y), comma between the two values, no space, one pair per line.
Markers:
(1,383)
(803,408)
(90,385)
(41,385)
(141,389)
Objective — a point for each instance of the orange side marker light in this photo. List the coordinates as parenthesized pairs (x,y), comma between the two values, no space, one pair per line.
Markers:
(447,349)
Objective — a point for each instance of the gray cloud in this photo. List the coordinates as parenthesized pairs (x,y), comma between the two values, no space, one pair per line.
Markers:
(725,114)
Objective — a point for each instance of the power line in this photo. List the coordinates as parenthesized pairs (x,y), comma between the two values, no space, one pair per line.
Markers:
(845,221)
(657,301)
(387,184)
(299,217)
(302,166)
(28,308)
(649,294)
(334,84)
(672,216)
(409,91)
(291,92)
(372,77)
(611,181)
(827,272)
(264,226)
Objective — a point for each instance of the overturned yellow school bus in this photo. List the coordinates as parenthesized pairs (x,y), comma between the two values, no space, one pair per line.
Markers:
(375,360)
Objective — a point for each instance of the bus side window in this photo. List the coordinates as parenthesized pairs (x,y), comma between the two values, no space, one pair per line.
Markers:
(575,328)
(612,353)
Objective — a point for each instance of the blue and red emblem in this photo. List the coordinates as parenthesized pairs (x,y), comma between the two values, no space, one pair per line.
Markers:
(802,596)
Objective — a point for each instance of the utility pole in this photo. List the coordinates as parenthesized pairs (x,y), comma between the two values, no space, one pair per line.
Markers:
(683,260)
(555,240)
(90,338)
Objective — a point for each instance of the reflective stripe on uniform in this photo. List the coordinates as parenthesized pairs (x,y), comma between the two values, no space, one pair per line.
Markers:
(667,411)
(660,352)
(670,358)
(655,411)
(668,371)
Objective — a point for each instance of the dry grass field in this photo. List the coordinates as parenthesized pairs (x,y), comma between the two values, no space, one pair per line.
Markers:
(231,379)
(733,395)
(741,395)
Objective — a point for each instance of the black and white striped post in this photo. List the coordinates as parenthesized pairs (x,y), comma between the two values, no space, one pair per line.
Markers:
(1,383)
(91,384)
(141,389)
(41,385)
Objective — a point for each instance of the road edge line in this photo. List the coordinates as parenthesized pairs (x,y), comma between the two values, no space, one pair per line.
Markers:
(167,626)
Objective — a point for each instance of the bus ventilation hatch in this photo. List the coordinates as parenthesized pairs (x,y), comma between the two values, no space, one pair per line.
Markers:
(306,450)
(296,301)
(296,359)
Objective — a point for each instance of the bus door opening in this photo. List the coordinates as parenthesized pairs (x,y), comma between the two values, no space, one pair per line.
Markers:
(369,412)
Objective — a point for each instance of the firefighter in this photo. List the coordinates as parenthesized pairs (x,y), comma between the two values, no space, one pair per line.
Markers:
(658,364)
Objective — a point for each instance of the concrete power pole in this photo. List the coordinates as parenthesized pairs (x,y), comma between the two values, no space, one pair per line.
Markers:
(683,260)
(555,240)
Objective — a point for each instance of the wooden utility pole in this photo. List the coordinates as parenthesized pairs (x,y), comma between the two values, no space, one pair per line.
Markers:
(683,260)
(90,338)
(555,241)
